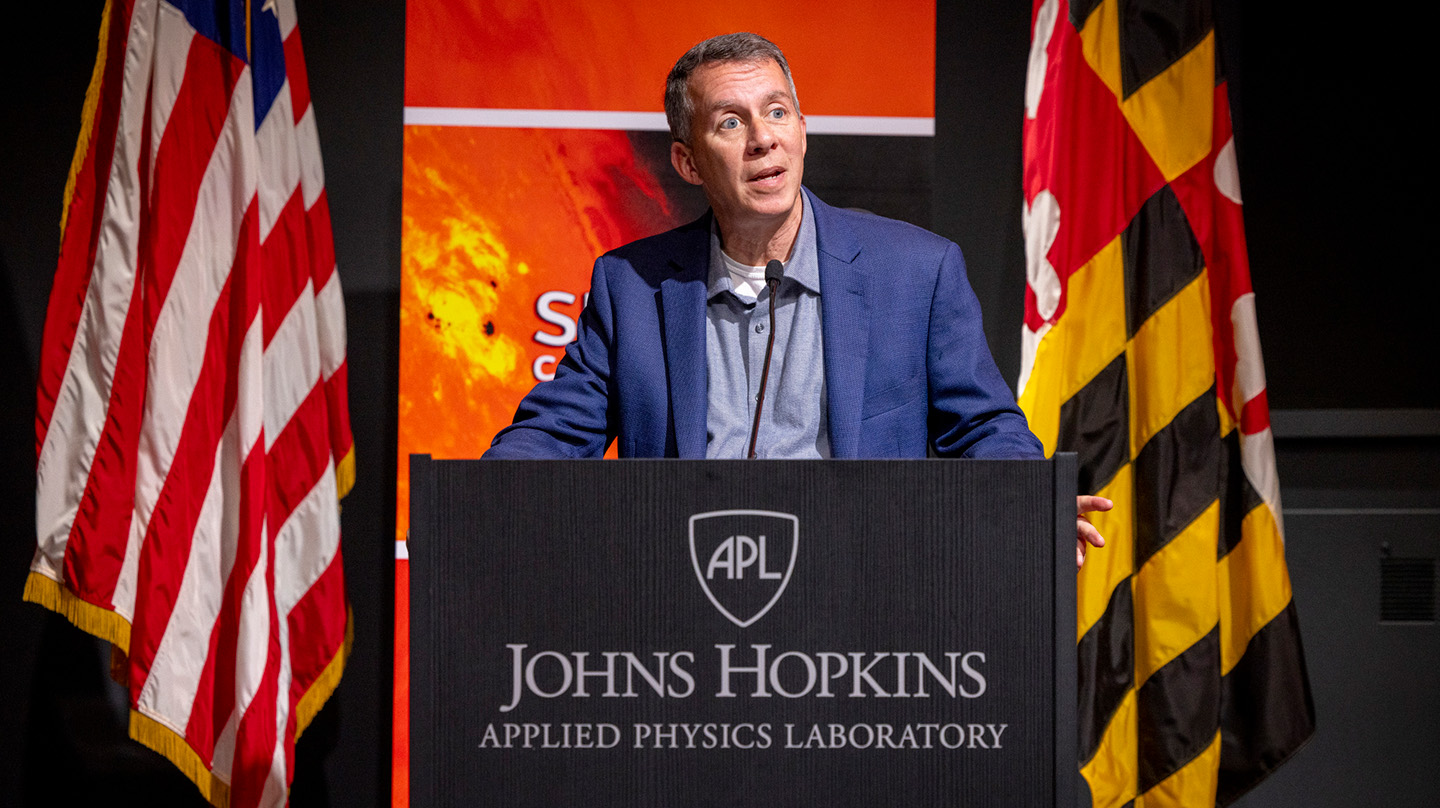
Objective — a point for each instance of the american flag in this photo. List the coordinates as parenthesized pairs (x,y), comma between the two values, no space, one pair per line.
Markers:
(191,424)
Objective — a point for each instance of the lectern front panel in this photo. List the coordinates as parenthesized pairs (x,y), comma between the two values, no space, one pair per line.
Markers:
(677,633)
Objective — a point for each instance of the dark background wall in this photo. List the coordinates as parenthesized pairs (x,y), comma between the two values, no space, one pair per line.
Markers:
(1329,121)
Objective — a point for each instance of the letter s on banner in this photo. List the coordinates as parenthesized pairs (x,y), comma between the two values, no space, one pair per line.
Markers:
(566,324)
(543,368)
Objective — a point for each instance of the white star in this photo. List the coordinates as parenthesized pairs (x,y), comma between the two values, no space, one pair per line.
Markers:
(269,6)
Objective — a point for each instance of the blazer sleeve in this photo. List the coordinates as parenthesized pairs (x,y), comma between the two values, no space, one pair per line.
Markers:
(972,413)
(573,414)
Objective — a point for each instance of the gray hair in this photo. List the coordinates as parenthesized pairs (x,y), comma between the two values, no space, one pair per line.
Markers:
(742,47)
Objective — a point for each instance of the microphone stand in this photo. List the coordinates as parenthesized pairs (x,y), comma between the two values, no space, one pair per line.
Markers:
(774,271)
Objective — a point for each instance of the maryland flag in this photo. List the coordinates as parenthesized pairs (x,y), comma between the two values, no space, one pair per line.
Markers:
(1141,354)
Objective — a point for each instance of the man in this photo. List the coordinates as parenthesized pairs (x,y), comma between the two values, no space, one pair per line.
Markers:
(877,345)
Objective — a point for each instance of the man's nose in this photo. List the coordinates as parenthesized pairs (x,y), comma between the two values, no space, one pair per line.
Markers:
(762,138)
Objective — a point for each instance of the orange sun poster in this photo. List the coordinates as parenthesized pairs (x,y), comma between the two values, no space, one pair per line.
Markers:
(535,141)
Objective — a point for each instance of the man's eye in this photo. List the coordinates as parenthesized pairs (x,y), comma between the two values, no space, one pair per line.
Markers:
(777,113)
(730,123)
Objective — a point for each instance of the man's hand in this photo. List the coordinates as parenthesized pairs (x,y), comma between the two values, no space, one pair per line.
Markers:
(1085,533)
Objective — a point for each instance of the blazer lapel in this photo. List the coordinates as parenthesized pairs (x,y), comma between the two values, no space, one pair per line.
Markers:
(845,328)
(682,300)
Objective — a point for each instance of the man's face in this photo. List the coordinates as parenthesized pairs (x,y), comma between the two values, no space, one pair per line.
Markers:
(747,142)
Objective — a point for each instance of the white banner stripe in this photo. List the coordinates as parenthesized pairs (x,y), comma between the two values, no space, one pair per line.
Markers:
(223,761)
(252,640)
(276,791)
(647,121)
(307,542)
(178,346)
(330,311)
(174,680)
(292,364)
(174,35)
(536,118)
(869,125)
(285,14)
(250,395)
(84,395)
(307,143)
(279,160)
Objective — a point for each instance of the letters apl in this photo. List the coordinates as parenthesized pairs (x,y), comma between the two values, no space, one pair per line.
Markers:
(743,559)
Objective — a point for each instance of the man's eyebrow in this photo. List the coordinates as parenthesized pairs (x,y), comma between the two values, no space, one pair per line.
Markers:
(770,98)
(723,103)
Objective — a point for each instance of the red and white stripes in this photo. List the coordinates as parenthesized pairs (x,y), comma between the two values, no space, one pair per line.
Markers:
(191,425)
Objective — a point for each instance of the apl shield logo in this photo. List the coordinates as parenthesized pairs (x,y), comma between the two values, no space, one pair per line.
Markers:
(744,559)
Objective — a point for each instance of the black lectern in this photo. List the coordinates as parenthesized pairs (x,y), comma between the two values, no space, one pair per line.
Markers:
(694,633)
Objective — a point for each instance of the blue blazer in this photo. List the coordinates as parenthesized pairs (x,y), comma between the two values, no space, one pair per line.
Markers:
(907,368)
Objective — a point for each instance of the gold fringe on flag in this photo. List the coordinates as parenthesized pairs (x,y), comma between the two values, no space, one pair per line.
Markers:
(86,616)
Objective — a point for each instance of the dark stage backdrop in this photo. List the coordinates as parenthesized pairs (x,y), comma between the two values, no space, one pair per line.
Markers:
(1333,161)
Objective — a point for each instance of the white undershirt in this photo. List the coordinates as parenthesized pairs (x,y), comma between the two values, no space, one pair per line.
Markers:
(745,280)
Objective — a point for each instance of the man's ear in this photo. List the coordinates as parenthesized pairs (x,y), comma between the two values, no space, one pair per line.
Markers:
(684,163)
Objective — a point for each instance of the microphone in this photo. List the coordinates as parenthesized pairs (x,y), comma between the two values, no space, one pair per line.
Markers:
(774,273)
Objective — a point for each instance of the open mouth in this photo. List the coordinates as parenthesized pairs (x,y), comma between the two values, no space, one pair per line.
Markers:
(769,173)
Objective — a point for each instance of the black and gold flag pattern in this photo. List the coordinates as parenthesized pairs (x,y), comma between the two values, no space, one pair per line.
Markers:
(1142,355)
